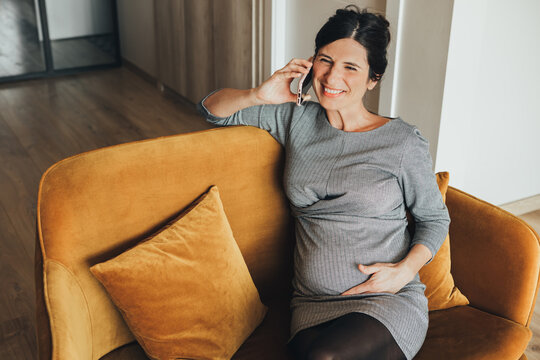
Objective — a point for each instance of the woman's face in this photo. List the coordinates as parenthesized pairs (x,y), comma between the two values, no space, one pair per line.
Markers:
(341,75)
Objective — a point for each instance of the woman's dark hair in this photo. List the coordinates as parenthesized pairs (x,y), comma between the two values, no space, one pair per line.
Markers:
(368,29)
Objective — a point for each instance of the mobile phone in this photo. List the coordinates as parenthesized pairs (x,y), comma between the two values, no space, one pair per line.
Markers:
(303,86)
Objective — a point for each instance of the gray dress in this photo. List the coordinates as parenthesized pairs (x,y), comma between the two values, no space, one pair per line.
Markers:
(348,192)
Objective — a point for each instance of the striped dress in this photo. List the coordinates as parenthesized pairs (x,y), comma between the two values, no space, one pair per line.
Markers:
(348,192)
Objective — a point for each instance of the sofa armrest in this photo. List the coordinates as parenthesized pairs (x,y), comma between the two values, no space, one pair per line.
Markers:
(43,330)
(60,285)
(495,257)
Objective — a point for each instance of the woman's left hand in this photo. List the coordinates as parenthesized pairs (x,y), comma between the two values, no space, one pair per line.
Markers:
(385,277)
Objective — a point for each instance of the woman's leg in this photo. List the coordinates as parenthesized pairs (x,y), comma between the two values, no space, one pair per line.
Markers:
(304,338)
(353,336)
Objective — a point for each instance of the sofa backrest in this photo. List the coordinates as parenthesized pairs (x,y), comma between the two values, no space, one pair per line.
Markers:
(94,206)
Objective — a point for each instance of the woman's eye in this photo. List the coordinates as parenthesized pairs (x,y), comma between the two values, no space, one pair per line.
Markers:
(350,68)
(325,60)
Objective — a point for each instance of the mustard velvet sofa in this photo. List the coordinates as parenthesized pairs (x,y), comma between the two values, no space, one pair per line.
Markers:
(95,205)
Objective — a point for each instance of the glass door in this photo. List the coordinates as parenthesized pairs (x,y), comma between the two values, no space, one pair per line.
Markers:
(81,33)
(21,45)
(41,38)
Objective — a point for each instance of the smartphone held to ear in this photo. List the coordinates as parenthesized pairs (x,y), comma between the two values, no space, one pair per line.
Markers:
(303,86)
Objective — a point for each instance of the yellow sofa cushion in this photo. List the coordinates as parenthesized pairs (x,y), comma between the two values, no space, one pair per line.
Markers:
(467,333)
(186,292)
(441,291)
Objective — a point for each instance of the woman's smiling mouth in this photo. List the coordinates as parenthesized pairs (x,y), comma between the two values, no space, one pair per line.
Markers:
(332,92)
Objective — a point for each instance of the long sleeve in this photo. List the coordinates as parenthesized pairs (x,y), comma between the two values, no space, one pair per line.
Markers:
(421,194)
(276,119)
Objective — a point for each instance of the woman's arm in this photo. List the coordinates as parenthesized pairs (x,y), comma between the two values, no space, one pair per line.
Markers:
(417,257)
(424,201)
(275,112)
(275,90)
(422,195)
(225,102)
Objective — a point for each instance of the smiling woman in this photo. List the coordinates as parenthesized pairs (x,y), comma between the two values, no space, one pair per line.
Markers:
(350,176)
(340,80)
(350,58)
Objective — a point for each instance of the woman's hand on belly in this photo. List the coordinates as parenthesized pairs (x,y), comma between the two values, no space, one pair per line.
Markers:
(385,278)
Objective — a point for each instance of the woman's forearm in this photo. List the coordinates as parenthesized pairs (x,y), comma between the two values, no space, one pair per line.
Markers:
(226,102)
(417,257)
(275,90)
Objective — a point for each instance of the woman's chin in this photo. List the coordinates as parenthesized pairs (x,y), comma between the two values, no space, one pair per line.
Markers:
(329,104)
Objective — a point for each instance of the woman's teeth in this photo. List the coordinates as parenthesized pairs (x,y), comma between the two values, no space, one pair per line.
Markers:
(332,91)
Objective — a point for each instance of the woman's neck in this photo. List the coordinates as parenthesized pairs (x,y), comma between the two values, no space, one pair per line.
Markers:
(359,119)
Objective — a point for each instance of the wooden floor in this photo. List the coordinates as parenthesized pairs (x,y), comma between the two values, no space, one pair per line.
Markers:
(44,121)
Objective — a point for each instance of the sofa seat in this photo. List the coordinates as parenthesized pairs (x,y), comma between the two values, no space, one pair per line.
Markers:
(464,332)
(459,333)
(265,343)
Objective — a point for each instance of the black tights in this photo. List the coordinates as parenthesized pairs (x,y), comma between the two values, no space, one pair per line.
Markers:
(354,336)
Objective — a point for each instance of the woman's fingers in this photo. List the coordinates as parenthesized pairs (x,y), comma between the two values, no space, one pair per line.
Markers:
(359,289)
(301,62)
(289,71)
(295,67)
(276,89)
(297,64)
(289,74)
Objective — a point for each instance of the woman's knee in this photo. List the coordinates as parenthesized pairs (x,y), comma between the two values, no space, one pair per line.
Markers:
(360,352)
(321,353)
(354,336)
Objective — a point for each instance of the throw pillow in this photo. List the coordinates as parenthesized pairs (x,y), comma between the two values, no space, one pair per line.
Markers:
(441,291)
(186,292)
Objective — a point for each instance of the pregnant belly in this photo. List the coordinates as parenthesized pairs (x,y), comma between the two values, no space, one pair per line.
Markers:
(326,261)
(326,273)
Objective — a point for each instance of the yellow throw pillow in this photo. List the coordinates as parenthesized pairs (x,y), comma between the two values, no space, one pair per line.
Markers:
(186,292)
(441,291)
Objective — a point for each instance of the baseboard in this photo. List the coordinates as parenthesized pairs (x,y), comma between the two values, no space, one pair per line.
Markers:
(522,206)
(164,89)
(137,70)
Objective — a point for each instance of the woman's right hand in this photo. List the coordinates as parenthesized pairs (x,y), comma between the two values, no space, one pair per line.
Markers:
(277,88)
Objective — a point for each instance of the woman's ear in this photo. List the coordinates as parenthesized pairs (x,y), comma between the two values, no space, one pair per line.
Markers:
(371,84)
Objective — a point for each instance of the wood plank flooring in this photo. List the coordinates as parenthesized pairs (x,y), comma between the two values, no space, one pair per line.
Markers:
(44,121)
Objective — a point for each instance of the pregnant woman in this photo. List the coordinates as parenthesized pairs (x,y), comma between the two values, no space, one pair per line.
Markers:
(350,176)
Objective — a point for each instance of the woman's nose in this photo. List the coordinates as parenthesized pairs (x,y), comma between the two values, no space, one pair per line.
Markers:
(332,75)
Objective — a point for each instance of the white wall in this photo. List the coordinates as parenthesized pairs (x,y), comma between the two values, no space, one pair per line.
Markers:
(74,18)
(490,123)
(414,83)
(137,33)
